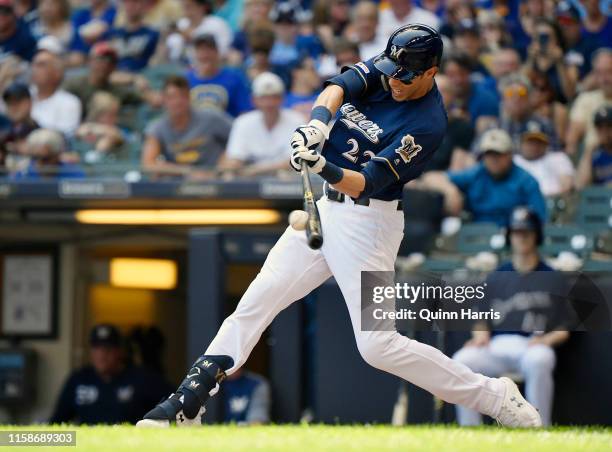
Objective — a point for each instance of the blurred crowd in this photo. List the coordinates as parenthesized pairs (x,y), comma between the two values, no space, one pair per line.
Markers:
(211,88)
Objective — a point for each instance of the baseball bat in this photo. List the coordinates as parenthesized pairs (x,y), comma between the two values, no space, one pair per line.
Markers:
(314,232)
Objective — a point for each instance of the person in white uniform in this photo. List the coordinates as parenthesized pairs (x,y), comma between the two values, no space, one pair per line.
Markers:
(519,285)
(366,158)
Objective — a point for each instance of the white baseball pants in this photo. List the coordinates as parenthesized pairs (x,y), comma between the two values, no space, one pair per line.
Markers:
(512,353)
(356,238)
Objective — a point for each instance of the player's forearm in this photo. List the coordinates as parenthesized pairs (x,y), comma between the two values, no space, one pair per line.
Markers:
(352,183)
(331,98)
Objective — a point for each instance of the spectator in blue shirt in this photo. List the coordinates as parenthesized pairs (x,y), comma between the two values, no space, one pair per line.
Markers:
(246,398)
(596,162)
(15,37)
(19,124)
(548,54)
(90,24)
(492,188)
(291,45)
(305,87)
(480,103)
(579,51)
(45,148)
(596,26)
(214,85)
(135,42)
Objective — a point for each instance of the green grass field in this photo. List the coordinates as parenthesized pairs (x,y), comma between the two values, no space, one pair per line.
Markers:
(327,438)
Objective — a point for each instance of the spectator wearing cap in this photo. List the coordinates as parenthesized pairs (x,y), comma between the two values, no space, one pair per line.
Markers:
(198,19)
(184,141)
(554,171)
(53,20)
(53,108)
(492,188)
(108,390)
(578,51)
(15,37)
(581,131)
(546,54)
(258,140)
(291,45)
(595,165)
(480,103)
(364,29)
(402,12)
(102,64)
(134,41)
(596,26)
(213,85)
(525,337)
(89,24)
(46,150)
(18,103)
(517,110)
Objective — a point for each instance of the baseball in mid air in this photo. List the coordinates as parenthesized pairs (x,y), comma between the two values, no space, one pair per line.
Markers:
(298,220)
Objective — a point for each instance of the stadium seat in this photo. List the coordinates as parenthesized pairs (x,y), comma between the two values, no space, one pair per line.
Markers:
(593,265)
(603,242)
(595,209)
(441,265)
(476,237)
(558,238)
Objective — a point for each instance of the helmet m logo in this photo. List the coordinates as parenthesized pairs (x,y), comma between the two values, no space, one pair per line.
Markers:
(408,148)
(396,52)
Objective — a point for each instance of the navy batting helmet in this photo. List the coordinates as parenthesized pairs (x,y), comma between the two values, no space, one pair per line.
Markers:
(525,219)
(411,50)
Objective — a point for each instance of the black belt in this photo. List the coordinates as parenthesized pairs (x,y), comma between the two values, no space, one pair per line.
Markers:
(335,195)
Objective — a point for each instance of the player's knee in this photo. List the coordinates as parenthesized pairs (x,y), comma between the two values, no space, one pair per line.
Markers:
(538,358)
(374,348)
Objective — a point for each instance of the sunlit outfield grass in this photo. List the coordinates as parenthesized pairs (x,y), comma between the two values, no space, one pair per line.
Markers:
(312,438)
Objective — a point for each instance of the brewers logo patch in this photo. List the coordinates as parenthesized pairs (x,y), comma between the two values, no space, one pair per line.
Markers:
(408,149)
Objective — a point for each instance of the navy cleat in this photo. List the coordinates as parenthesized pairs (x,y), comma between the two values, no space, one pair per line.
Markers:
(185,407)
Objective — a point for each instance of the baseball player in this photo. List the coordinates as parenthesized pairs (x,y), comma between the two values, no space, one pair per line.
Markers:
(389,121)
